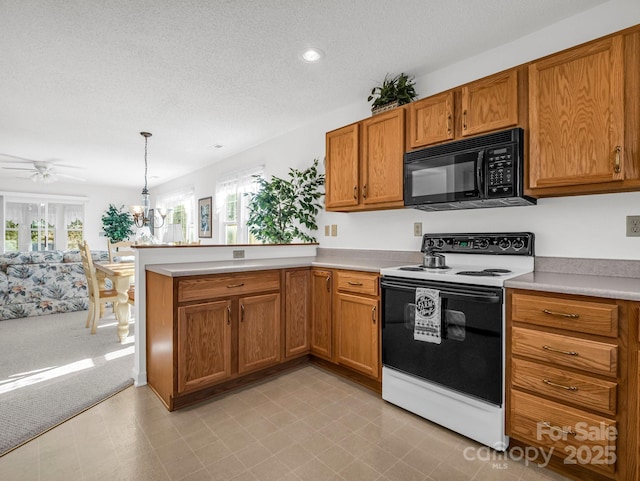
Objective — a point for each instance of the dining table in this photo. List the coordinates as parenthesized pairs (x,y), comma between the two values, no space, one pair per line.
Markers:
(121,275)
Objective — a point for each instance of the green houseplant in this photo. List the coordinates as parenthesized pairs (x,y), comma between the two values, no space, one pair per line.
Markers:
(281,209)
(400,89)
(117,223)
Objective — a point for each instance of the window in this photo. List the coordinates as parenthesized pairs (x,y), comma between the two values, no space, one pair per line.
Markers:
(180,209)
(231,207)
(42,225)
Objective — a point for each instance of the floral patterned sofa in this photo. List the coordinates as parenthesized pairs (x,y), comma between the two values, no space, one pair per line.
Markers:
(38,283)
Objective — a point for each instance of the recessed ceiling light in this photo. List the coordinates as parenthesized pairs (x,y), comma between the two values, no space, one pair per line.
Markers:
(312,55)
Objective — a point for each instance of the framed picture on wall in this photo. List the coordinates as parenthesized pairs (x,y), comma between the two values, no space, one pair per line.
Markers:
(204,217)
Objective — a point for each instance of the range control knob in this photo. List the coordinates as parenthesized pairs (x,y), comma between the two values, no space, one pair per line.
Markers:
(439,243)
(518,244)
(504,244)
(482,243)
(430,243)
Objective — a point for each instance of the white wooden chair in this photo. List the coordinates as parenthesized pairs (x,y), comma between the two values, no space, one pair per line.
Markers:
(120,249)
(97,297)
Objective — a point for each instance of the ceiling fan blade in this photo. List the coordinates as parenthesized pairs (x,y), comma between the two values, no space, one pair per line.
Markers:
(67,166)
(19,168)
(17,159)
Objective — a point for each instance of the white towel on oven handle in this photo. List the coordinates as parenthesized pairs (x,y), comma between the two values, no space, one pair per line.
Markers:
(428,321)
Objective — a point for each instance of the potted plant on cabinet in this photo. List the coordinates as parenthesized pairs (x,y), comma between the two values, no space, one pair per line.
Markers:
(280,210)
(393,92)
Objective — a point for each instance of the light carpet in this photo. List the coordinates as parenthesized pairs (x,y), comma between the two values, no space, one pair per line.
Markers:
(52,368)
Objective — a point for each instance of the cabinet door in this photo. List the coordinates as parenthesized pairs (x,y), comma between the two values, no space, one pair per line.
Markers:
(297,310)
(490,103)
(204,344)
(258,332)
(321,331)
(382,158)
(576,116)
(357,336)
(342,167)
(431,120)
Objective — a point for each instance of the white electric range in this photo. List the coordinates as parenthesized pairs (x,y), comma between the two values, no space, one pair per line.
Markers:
(443,344)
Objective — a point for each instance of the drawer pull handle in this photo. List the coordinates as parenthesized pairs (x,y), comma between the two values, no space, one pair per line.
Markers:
(355,191)
(464,120)
(547,424)
(241,312)
(228,315)
(351,283)
(449,124)
(568,353)
(231,286)
(328,283)
(373,314)
(560,314)
(553,384)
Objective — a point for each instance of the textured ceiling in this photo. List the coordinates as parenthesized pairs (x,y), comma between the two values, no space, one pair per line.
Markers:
(80,79)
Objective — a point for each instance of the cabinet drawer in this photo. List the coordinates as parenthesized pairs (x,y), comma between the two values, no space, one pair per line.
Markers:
(358,282)
(562,385)
(573,315)
(225,285)
(575,436)
(568,351)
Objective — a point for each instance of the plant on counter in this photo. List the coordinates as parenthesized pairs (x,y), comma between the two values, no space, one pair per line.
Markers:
(117,223)
(400,88)
(280,208)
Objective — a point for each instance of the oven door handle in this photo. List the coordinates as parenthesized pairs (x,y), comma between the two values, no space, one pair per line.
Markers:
(475,297)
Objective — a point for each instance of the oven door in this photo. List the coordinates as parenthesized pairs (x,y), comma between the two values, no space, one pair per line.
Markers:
(469,358)
(445,178)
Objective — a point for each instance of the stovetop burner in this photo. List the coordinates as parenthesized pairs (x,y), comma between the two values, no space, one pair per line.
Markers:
(422,268)
(484,273)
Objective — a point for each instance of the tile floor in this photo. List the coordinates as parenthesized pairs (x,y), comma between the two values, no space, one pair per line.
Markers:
(305,425)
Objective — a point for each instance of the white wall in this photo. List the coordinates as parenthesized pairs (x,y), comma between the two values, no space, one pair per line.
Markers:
(98,199)
(582,226)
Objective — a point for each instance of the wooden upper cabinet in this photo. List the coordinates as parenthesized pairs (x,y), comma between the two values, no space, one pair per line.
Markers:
(431,120)
(342,168)
(576,116)
(490,103)
(364,164)
(382,158)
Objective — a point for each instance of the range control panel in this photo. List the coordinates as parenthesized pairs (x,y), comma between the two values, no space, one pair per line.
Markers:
(506,243)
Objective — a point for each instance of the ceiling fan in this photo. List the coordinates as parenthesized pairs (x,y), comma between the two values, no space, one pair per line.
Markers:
(39,170)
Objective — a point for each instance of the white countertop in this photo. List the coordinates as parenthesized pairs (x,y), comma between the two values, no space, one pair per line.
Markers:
(625,288)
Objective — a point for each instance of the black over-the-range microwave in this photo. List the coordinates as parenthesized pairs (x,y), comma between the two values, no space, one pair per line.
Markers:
(478,172)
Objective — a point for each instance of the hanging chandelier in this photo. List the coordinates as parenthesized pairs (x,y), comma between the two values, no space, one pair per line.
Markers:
(142,213)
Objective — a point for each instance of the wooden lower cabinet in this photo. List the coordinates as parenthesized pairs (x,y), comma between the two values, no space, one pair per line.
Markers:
(258,332)
(357,343)
(206,332)
(572,382)
(297,312)
(321,318)
(204,344)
